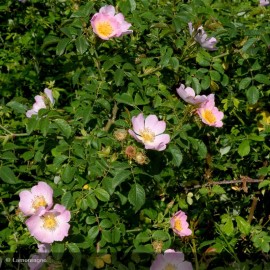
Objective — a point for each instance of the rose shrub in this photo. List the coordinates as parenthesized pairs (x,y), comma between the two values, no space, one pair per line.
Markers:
(150,141)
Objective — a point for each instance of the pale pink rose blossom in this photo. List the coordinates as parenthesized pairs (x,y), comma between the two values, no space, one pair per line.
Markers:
(201,37)
(149,131)
(108,25)
(264,2)
(49,226)
(188,95)
(40,196)
(41,102)
(39,258)
(179,224)
(210,115)
(173,260)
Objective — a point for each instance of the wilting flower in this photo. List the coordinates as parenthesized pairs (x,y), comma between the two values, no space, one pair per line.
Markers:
(149,131)
(108,25)
(39,258)
(49,226)
(171,260)
(179,224)
(201,37)
(41,102)
(210,115)
(188,95)
(141,158)
(130,151)
(41,195)
(264,2)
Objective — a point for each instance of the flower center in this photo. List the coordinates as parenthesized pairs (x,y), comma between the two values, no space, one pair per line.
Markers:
(147,135)
(104,29)
(178,225)
(38,202)
(170,267)
(49,222)
(209,116)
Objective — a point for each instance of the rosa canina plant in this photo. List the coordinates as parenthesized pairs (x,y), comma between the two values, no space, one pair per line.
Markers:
(134,134)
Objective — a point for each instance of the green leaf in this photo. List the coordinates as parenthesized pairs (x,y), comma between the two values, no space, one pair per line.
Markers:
(7,175)
(160,235)
(73,249)
(248,44)
(93,232)
(132,4)
(244,83)
(124,98)
(216,189)
(58,250)
(64,127)
(120,177)
(102,194)
(215,76)
(118,76)
(68,174)
(261,78)
(166,54)
(253,95)
(116,234)
(17,107)
(92,201)
(242,225)
(84,11)
(81,44)
(61,46)
(244,148)
(227,228)
(136,196)
(67,200)
(176,154)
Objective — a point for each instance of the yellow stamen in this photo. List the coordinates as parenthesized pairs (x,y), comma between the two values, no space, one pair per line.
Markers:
(178,225)
(170,267)
(49,222)
(208,116)
(38,202)
(104,29)
(147,135)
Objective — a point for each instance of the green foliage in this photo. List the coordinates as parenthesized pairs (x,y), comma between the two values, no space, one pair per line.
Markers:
(121,206)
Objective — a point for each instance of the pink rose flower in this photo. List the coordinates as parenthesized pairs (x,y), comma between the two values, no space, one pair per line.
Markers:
(179,224)
(188,95)
(210,115)
(108,25)
(49,226)
(173,260)
(264,2)
(39,258)
(41,102)
(40,195)
(202,39)
(149,131)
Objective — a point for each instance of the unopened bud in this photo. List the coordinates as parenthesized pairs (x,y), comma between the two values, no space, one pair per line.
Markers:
(120,134)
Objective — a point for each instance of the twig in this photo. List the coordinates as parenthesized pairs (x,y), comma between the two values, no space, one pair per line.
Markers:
(111,121)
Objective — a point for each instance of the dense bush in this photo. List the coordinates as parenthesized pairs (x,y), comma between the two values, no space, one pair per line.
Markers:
(122,192)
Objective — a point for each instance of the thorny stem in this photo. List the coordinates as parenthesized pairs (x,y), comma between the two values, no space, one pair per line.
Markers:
(194,251)
(226,182)
(252,209)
